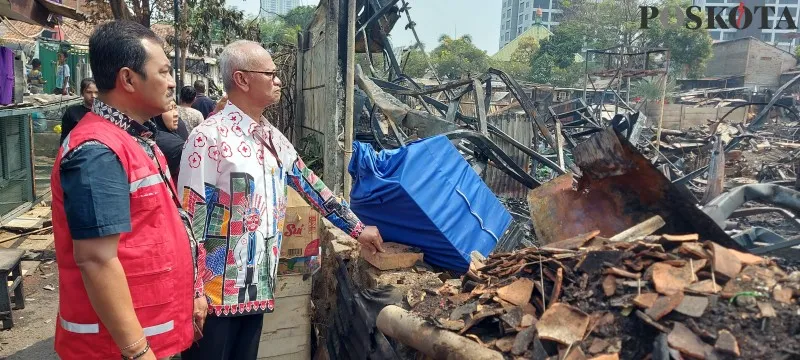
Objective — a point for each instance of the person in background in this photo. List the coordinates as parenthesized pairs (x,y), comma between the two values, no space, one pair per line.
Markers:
(126,259)
(235,170)
(202,103)
(62,75)
(36,80)
(169,140)
(76,112)
(220,104)
(190,116)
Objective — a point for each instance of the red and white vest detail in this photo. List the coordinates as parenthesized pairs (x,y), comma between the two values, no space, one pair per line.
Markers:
(155,255)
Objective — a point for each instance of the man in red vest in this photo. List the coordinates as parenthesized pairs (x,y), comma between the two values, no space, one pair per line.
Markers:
(126,262)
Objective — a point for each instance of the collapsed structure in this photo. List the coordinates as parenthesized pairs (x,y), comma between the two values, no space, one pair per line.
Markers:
(632,235)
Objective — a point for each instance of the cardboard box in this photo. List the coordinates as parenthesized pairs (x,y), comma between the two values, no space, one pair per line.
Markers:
(301,228)
(306,265)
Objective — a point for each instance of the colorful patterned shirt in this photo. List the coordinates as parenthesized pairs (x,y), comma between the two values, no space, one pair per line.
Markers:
(234,173)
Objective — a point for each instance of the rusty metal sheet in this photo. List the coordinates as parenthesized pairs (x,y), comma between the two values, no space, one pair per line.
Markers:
(619,189)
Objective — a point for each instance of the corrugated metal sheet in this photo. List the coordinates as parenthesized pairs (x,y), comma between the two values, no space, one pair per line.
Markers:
(518,127)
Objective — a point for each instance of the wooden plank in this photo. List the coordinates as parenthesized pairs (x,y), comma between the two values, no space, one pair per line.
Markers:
(24,223)
(292,285)
(298,330)
(304,354)
(37,242)
(289,312)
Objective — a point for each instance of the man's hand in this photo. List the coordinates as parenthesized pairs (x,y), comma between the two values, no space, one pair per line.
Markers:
(199,316)
(371,240)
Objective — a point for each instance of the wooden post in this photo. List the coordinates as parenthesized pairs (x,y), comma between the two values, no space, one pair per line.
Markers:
(299,109)
(334,97)
(560,144)
(349,88)
(661,117)
(663,99)
(439,344)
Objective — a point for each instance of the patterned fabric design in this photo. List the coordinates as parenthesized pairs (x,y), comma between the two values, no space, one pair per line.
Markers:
(234,176)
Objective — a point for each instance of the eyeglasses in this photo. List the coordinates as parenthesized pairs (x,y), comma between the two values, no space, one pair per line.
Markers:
(271,74)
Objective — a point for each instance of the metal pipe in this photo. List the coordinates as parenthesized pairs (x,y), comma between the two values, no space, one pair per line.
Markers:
(438,344)
(349,92)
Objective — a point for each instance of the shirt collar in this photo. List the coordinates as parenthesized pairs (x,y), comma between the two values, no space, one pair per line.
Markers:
(123,121)
(236,117)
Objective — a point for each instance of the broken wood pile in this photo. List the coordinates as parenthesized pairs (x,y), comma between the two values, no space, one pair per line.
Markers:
(589,297)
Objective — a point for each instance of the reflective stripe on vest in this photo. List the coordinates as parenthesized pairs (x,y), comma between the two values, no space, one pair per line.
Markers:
(95,328)
(146,181)
(65,145)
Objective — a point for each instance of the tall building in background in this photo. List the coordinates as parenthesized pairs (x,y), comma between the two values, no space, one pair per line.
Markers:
(777,37)
(518,15)
(271,8)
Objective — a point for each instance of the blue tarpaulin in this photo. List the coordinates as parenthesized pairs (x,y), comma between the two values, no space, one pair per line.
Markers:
(427,196)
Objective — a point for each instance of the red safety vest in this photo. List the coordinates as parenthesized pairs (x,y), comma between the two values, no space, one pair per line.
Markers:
(155,255)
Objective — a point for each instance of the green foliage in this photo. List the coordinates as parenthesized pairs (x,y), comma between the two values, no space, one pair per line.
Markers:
(554,63)
(413,63)
(589,24)
(651,88)
(299,17)
(690,50)
(455,58)
(283,29)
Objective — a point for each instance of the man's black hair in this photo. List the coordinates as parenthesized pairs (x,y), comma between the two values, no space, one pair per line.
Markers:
(200,86)
(115,45)
(85,84)
(65,53)
(36,63)
(188,94)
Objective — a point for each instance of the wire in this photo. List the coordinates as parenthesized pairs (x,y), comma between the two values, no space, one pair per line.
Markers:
(18,31)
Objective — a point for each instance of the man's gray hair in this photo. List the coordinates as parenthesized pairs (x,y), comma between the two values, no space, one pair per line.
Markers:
(236,56)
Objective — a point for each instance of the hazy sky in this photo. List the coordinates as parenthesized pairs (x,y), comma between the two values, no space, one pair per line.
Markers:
(478,18)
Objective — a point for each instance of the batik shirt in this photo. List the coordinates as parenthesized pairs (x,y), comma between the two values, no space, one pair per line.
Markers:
(233,178)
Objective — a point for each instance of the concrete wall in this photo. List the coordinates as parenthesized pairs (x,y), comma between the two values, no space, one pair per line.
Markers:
(766,64)
(730,59)
(682,117)
(761,63)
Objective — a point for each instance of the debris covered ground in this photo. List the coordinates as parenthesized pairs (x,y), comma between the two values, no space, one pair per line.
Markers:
(586,297)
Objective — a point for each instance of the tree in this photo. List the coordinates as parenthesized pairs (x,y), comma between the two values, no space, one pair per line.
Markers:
(299,17)
(413,63)
(554,63)
(456,58)
(197,33)
(589,24)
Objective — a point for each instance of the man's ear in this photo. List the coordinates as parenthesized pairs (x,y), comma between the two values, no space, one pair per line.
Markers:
(125,79)
(240,80)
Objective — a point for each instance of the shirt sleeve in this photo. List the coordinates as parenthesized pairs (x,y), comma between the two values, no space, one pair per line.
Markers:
(197,171)
(316,193)
(96,192)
